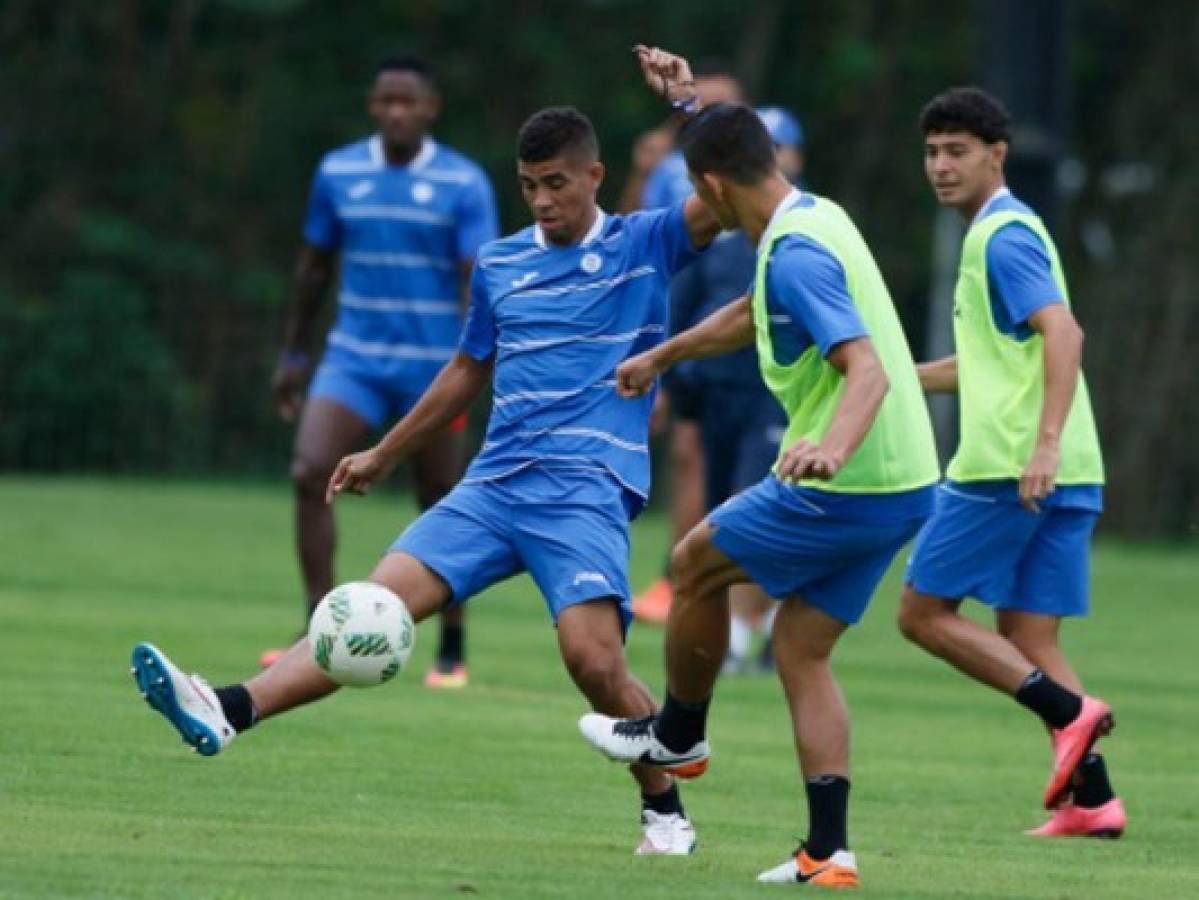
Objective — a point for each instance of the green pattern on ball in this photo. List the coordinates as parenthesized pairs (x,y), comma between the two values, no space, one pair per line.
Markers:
(369,643)
(390,672)
(339,608)
(406,634)
(324,646)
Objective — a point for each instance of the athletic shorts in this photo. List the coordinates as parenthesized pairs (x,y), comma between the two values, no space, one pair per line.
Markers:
(568,528)
(378,401)
(741,431)
(1000,553)
(829,549)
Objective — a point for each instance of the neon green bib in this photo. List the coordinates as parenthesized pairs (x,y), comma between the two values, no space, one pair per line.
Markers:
(1001,380)
(898,453)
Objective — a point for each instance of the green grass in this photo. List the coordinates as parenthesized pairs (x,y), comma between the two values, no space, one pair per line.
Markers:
(400,792)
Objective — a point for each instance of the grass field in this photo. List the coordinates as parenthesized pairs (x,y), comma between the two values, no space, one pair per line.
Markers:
(399,792)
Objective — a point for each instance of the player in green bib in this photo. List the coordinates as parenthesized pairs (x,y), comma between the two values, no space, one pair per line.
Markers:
(1014,518)
(852,485)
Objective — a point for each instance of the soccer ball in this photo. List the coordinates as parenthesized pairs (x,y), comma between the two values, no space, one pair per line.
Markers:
(361,634)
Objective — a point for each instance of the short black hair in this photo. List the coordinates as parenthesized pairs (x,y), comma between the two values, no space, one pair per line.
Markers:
(556,131)
(968,109)
(728,139)
(404,62)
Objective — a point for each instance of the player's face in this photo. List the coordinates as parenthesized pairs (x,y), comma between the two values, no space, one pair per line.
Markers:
(962,168)
(404,105)
(561,193)
(710,190)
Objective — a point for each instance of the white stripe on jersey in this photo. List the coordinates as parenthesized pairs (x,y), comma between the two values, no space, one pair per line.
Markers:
(400,260)
(388,304)
(515,257)
(639,272)
(447,175)
(392,211)
(350,167)
(605,436)
(397,351)
(584,339)
(518,396)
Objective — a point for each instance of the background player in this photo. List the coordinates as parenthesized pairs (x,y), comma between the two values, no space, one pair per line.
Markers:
(1014,519)
(859,444)
(407,216)
(554,309)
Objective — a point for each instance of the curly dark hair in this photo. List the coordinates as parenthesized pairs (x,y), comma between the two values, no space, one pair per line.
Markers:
(404,62)
(967,109)
(728,139)
(556,131)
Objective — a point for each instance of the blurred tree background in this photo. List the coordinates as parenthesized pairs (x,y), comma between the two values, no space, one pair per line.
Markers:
(155,157)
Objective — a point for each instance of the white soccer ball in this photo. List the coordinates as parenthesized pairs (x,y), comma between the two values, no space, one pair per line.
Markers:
(361,634)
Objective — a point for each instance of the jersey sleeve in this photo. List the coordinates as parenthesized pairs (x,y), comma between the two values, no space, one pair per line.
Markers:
(656,192)
(477,222)
(479,333)
(322,228)
(1020,276)
(809,284)
(663,235)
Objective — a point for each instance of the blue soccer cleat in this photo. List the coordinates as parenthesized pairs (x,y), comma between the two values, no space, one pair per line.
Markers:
(186,701)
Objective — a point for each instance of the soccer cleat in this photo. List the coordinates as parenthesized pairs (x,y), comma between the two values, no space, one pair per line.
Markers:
(1072,743)
(270,657)
(665,834)
(838,871)
(1069,820)
(653,604)
(186,701)
(453,678)
(633,741)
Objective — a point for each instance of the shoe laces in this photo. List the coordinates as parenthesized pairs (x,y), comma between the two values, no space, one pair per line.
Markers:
(633,728)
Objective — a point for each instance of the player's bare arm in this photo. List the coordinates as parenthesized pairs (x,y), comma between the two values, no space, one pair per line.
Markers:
(866,384)
(669,76)
(939,376)
(453,390)
(313,274)
(725,331)
(1062,353)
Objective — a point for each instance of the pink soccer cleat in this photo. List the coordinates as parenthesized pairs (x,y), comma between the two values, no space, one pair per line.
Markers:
(1068,820)
(1072,743)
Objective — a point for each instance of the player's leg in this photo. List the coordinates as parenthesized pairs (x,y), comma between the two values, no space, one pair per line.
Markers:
(804,639)
(436,468)
(975,548)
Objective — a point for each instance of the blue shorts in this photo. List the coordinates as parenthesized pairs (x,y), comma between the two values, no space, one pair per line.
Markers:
(568,528)
(376,400)
(830,549)
(741,430)
(995,550)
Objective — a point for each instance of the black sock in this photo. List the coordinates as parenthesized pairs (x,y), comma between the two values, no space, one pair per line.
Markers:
(681,725)
(1092,787)
(238,706)
(664,804)
(1049,700)
(449,651)
(828,810)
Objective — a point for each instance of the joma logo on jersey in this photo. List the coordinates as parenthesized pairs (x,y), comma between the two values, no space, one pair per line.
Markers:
(594,577)
(361,189)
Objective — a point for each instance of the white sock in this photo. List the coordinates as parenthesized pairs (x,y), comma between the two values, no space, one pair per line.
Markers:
(767,626)
(740,636)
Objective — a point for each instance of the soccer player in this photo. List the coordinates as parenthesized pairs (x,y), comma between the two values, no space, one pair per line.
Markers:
(1013,520)
(554,309)
(852,485)
(407,216)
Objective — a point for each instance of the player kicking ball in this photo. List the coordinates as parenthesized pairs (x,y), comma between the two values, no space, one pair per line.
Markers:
(852,486)
(1014,518)
(565,464)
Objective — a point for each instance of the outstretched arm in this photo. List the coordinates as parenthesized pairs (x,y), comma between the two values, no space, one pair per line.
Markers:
(728,329)
(453,390)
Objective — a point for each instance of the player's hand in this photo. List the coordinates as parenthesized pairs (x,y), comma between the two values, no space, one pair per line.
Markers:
(807,460)
(356,473)
(636,375)
(1039,477)
(667,74)
(287,387)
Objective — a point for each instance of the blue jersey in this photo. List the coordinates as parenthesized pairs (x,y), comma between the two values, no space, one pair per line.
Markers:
(402,232)
(558,321)
(668,183)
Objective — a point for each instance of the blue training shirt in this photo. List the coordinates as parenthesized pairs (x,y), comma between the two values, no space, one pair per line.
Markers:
(402,232)
(558,321)
(1020,283)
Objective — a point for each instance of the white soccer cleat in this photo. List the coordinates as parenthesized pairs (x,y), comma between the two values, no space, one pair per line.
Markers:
(633,741)
(838,871)
(665,835)
(186,701)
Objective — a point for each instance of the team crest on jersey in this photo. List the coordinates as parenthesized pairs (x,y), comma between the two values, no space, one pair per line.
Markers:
(422,192)
(361,189)
(590,263)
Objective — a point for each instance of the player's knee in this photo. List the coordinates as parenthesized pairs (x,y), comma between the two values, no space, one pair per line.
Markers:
(309,477)
(917,619)
(597,671)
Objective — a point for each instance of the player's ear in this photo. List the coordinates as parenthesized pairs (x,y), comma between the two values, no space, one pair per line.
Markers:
(999,153)
(596,171)
(433,104)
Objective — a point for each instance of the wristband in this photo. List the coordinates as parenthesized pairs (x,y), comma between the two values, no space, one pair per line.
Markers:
(688,106)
